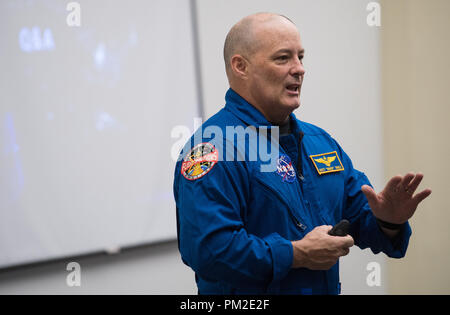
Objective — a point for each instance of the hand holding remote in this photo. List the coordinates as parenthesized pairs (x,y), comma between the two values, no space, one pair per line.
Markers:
(340,229)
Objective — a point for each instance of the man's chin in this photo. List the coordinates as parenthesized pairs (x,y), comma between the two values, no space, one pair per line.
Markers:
(292,105)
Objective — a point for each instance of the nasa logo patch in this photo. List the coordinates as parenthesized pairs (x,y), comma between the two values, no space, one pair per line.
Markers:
(199,161)
(285,169)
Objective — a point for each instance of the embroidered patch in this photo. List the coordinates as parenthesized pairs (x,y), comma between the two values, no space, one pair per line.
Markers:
(199,161)
(327,162)
(285,169)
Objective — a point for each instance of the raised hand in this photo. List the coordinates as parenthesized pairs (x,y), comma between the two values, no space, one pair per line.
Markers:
(397,202)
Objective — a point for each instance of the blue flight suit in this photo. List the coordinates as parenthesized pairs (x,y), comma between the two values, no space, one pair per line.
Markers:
(235,223)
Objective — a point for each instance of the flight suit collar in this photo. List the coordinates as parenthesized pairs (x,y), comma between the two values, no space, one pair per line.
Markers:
(244,110)
(249,114)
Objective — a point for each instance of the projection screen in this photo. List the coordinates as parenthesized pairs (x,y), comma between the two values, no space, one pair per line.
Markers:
(89,94)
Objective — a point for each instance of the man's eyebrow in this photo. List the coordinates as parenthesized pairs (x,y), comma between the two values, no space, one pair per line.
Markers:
(285,50)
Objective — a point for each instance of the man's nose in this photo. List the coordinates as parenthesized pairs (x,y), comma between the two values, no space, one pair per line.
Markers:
(297,68)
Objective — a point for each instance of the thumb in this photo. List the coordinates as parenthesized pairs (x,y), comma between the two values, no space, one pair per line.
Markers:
(370,194)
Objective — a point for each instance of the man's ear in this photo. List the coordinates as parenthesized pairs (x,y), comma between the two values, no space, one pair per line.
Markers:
(239,66)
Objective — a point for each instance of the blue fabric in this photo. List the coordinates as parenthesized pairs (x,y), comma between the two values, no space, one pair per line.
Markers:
(235,224)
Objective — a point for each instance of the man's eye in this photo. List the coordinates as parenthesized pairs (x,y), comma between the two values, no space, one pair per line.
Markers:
(284,57)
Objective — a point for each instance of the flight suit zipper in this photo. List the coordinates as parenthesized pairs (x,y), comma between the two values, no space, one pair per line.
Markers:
(299,157)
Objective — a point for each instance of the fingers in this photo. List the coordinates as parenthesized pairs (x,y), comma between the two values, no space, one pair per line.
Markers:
(418,198)
(415,183)
(343,241)
(321,250)
(323,228)
(392,185)
(345,252)
(404,183)
(339,241)
(407,183)
(346,241)
(370,194)
(343,245)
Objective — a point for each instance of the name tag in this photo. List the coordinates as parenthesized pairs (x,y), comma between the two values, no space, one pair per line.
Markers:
(327,163)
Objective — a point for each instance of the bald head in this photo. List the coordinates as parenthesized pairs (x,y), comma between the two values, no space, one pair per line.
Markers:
(242,39)
(264,62)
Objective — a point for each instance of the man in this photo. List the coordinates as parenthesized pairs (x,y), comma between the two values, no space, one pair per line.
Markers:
(247,231)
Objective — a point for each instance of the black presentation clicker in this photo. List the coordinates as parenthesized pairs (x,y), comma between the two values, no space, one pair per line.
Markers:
(340,229)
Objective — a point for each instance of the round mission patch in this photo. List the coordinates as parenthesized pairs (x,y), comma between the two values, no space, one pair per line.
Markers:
(199,161)
(285,169)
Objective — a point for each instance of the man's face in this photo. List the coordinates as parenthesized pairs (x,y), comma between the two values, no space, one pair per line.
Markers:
(275,73)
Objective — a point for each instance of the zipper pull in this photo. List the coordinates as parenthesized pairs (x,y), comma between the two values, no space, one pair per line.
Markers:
(300,225)
(301,177)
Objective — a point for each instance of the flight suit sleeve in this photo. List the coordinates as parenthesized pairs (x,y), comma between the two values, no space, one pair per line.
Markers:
(212,237)
(364,227)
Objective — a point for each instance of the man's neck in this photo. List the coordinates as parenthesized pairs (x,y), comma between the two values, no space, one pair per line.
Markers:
(271,117)
(285,127)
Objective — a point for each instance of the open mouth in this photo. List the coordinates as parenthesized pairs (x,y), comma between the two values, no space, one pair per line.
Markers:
(293,88)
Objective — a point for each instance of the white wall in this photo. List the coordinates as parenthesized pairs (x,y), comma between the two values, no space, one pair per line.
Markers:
(149,270)
(340,93)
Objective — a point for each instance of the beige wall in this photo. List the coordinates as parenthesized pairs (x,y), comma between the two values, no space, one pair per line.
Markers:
(416,104)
